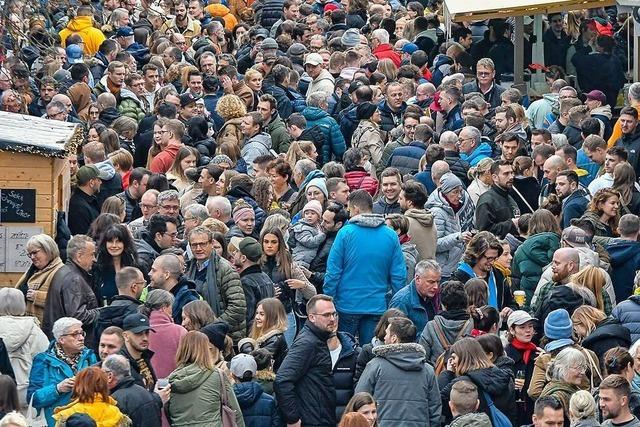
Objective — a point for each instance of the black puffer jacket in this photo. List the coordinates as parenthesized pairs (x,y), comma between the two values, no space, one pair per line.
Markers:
(390,119)
(276,344)
(457,166)
(256,286)
(206,148)
(271,12)
(304,385)
(608,334)
(142,406)
(131,207)
(498,382)
(319,264)
(344,372)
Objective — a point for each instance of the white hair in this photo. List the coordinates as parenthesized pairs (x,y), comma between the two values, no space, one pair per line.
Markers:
(221,203)
(381,34)
(62,326)
(565,360)
(427,264)
(118,365)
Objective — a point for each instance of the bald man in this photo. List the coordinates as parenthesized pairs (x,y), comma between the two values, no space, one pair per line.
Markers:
(565,262)
(551,167)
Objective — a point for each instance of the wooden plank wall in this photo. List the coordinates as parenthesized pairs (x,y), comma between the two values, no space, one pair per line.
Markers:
(48,176)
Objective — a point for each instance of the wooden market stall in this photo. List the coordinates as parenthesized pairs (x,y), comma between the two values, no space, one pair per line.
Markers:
(34,184)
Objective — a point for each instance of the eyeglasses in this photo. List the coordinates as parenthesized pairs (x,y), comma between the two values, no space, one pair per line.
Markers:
(76,334)
(190,219)
(484,73)
(145,206)
(34,253)
(462,140)
(170,207)
(172,235)
(330,315)
(199,244)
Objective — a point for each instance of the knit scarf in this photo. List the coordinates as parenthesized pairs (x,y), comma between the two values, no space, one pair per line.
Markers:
(526,348)
(493,290)
(72,361)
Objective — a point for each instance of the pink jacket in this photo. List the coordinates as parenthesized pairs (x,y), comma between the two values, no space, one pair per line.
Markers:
(164,342)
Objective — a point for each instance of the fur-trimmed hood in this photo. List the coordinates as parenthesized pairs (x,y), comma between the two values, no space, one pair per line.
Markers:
(268,335)
(368,220)
(406,356)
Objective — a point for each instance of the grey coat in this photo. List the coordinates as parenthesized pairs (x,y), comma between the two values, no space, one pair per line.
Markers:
(474,419)
(257,145)
(307,240)
(450,225)
(452,329)
(411,257)
(404,385)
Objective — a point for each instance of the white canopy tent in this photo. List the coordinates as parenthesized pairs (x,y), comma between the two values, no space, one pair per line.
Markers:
(478,10)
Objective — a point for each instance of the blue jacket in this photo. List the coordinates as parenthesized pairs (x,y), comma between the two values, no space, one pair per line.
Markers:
(364,263)
(408,301)
(334,146)
(625,261)
(628,313)
(47,371)
(406,158)
(258,408)
(573,207)
(425,179)
(453,119)
(482,151)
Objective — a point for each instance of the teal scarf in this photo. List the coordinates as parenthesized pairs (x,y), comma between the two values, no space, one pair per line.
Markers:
(493,290)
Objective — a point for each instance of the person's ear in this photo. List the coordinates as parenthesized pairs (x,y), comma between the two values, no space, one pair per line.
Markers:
(477,404)
(452,407)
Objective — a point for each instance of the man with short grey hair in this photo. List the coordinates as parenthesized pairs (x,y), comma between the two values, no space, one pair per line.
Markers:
(166,273)
(140,405)
(418,298)
(219,208)
(471,147)
(193,216)
(316,115)
(70,294)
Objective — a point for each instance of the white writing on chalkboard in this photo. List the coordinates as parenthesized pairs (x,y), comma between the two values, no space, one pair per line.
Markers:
(18,205)
(13,248)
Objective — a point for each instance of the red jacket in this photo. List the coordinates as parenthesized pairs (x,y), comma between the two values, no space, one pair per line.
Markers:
(361,180)
(386,51)
(164,160)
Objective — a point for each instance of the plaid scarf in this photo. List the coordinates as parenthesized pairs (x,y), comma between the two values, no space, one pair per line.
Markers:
(72,361)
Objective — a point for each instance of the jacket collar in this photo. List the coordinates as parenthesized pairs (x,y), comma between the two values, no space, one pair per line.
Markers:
(252,269)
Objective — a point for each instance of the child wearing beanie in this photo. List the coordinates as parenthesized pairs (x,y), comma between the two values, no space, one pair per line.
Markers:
(307,236)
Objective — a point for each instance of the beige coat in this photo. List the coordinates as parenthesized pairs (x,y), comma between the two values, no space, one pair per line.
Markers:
(422,230)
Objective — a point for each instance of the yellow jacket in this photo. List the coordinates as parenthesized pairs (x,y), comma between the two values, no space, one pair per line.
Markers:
(91,36)
(105,414)
(222,11)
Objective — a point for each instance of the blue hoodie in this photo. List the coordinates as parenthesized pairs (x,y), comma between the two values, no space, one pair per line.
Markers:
(365,262)
(482,151)
(258,408)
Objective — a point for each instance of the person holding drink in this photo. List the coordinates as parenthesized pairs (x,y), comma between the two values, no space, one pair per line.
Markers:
(521,329)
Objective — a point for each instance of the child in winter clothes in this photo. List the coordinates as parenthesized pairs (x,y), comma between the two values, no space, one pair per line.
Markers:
(306,235)
(258,408)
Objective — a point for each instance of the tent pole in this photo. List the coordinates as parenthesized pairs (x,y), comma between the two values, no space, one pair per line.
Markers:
(518,57)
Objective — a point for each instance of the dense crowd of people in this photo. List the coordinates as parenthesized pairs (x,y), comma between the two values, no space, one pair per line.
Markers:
(326,213)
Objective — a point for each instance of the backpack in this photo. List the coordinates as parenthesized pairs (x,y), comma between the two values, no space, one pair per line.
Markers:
(441,364)
(298,102)
(498,418)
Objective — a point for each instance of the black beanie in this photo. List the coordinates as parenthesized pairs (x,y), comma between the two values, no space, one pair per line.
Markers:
(365,110)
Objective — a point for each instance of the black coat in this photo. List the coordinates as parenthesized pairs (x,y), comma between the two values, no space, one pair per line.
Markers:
(525,410)
(495,381)
(83,210)
(492,97)
(135,368)
(495,211)
(256,286)
(559,297)
(505,297)
(344,372)
(110,187)
(131,207)
(271,12)
(142,406)
(555,49)
(607,335)
(457,166)
(5,362)
(112,315)
(602,72)
(318,265)
(529,188)
(631,143)
(304,385)
(206,148)
(277,346)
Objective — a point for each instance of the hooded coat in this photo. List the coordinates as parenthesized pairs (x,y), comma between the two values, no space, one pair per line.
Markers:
(482,151)
(404,386)
(497,382)
(334,145)
(110,186)
(453,324)
(422,230)
(531,258)
(23,340)
(628,314)
(344,371)
(308,239)
(473,419)
(608,334)
(258,408)
(196,400)
(91,36)
(449,226)
(364,263)
(230,132)
(625,261)
(367,136)
(540,109)
(257,145)
(142,406)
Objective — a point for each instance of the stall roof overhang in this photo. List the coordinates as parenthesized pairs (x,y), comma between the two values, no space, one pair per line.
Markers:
(477,10)
(27,134)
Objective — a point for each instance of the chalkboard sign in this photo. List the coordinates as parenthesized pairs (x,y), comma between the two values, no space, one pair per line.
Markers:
(17,205)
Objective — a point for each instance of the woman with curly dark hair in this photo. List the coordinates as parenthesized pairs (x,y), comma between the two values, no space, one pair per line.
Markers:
(116,249)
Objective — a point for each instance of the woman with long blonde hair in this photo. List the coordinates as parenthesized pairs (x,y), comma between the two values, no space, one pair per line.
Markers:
(269,324)
(196,385)
(592,278)
(299,150)
(597,332)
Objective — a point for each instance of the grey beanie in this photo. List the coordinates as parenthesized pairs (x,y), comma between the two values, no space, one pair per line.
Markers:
(350,38)
(448,182)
